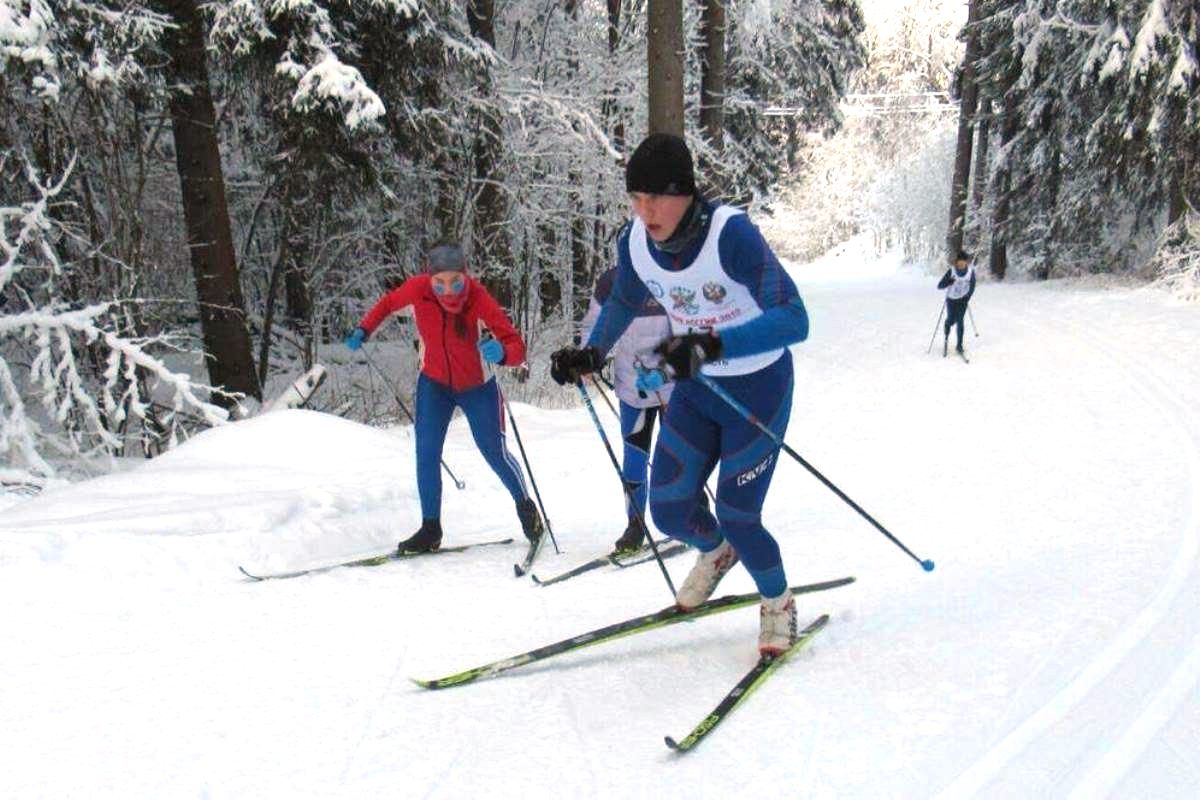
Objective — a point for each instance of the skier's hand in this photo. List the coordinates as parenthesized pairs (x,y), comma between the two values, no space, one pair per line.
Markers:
(683,356)
(650,380)
(356,338)
(492,351)
(571,363)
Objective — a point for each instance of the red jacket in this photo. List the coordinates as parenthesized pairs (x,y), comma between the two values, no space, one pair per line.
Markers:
(450,352)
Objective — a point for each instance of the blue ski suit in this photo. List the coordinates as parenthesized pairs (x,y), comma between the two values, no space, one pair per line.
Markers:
(729,281)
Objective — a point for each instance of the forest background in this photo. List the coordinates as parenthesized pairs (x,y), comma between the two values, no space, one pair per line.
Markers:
(198,200)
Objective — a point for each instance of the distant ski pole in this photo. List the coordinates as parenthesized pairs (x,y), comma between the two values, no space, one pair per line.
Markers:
(936,325)
(604,396)
(926,564)
(971,314)
(587,401)
(396,393)
(528,469)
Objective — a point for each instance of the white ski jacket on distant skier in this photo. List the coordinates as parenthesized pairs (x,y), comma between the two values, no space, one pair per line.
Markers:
(635,346)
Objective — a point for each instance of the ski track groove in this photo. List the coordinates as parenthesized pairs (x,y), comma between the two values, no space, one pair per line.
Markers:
(1110,766)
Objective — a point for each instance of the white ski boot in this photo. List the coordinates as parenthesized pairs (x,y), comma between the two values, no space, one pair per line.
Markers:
(777,624)
(702,581)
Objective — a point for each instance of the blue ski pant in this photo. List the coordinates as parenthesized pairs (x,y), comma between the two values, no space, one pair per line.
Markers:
(637,428)
(700,431)
(955,311)
(484,411)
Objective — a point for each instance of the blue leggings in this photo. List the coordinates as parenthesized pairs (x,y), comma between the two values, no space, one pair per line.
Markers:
(955,311)
(637,428)
(483,409)
(699,431)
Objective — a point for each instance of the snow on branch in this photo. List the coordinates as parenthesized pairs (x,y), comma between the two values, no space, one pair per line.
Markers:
(1154,28)
(1177,262)
(75,382)
(331,81)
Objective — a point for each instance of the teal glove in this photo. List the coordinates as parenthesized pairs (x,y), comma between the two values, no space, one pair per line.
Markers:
(492,351)
(650,380)
(356,338)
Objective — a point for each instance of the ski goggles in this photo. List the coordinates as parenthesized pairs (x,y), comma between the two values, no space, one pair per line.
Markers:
(456,286)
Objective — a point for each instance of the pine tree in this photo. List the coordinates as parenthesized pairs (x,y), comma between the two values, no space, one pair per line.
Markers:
(1098,122)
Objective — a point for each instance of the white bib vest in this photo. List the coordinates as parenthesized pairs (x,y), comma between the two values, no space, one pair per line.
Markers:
(962,284)
(701,297)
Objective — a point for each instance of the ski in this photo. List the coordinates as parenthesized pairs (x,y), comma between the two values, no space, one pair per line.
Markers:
(659,619)
(586,566)
(645,554)
(370,561)
(621,559)
(756,677)
(535,547)
(963,356)
(617,559)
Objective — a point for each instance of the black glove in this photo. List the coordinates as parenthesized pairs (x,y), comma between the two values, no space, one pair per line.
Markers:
(570,363)
(684,355)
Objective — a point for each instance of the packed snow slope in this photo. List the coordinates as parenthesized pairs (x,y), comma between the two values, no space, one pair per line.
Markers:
(1054,652)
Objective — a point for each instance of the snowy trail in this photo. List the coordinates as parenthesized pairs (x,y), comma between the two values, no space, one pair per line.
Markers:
(1110,767)
(1109,764)
(1054,652)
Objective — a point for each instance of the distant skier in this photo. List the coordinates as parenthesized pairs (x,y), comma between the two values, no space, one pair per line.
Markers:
(959,283)
(639,409)
(449,306)
(733,311)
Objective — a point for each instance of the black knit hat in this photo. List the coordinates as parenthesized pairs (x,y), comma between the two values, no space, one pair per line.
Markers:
(661,164)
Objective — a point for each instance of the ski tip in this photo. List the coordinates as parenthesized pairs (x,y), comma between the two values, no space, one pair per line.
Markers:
(674,745)
(424,684)
(927,565)
(254,578)
(535,579)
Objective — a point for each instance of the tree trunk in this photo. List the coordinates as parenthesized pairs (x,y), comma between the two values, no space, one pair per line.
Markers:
(1001,191)
(966,117)
(612,102)
(664,62)
(1177,202)
(206,215)
(491,244)
(712,94)
(981,152)
(712,74)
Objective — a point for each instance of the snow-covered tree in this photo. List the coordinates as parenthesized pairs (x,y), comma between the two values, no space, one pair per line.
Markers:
(1099,107)
(798,54)
(78,381)
(879,172)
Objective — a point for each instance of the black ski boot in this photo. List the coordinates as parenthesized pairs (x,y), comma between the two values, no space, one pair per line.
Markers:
(531,523)
(427,539)
(631,539)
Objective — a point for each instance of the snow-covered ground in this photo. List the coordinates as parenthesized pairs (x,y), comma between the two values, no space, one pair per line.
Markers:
(1054,652)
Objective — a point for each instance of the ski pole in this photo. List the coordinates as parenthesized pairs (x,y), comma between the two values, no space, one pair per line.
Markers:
(936,325)
(396,392)
(926,564)
(607,402)
(587,401)
(533,481)
(971,314)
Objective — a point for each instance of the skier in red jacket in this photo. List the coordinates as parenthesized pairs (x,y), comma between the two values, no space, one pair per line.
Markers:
(450,307)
